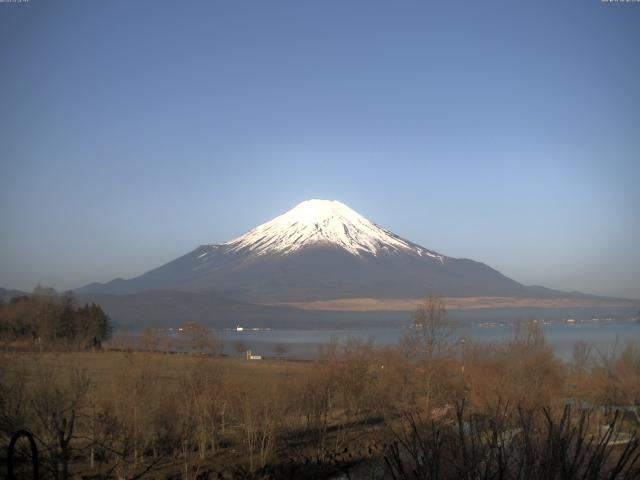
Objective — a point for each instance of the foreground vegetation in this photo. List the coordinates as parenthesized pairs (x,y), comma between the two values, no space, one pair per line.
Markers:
(45,320)
(432,407)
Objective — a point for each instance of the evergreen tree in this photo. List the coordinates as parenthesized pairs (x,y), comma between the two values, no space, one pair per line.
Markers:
(66,327)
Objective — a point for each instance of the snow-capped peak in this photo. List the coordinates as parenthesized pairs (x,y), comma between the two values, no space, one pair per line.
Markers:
(328,222)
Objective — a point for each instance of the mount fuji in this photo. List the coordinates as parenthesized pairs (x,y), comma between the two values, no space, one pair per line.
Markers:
(321,250)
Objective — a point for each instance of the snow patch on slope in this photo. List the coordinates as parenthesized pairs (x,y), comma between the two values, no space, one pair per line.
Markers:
(314,222)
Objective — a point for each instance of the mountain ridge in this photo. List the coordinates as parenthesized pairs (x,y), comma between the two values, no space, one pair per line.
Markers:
(321,250)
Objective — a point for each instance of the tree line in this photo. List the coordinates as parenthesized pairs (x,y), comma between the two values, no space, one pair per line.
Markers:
(45,319)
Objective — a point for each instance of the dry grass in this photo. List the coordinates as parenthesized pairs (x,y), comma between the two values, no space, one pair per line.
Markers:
(100,365)
(410,304)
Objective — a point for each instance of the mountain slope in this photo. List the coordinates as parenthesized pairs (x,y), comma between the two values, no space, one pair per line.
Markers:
(321,250)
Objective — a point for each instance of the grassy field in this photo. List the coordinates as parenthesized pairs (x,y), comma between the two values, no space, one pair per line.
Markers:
(170,367)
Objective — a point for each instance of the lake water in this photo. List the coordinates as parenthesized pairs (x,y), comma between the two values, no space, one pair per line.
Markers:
(302,343)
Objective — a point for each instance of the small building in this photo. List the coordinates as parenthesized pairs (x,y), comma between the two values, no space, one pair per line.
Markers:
(250,356)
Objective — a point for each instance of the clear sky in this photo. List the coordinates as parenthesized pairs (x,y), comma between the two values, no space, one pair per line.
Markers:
(507,132)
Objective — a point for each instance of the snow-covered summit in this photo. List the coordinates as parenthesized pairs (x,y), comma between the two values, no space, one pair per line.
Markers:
(327,222)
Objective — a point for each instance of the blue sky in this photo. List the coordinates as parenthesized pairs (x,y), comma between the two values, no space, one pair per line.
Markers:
(506,132)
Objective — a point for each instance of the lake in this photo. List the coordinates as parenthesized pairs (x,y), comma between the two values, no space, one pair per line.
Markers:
(606,336)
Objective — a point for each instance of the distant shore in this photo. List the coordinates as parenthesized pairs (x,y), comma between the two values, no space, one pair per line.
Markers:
(456,303)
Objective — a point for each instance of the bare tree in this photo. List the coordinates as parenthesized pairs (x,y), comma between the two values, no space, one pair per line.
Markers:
(316,397)
(149,340)
(166,343)
(123,339)
(281,349)
(56,405)
(582,353)
(240,347)
(431,332)
(258,407)
(430,335)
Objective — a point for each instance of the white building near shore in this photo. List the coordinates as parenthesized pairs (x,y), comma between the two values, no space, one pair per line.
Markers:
(250,356)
